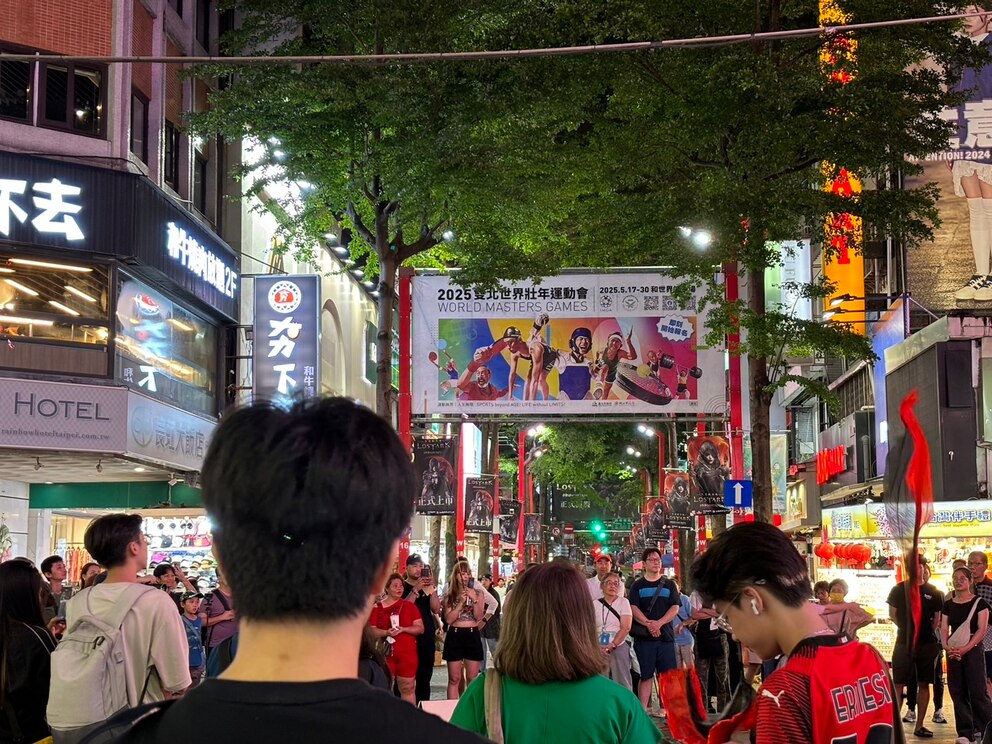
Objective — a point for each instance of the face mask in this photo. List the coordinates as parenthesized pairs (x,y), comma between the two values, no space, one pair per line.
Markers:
(837,597)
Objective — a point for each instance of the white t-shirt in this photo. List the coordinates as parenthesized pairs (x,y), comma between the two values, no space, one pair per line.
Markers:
(154,639)
(595,590)
(606,620)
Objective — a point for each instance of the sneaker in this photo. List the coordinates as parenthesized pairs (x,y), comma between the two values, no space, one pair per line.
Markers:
(910,717)
(962,740)
(938,716)
(984,293)
(967,292)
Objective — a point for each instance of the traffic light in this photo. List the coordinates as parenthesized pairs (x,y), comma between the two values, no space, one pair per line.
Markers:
(598,530)
(596,552)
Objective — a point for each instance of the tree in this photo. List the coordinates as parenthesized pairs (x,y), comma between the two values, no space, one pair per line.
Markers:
(416,164)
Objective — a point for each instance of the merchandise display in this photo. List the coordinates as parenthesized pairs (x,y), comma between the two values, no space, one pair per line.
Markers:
(183,541)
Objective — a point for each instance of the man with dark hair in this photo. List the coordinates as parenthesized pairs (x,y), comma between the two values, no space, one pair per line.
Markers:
(978,564)
(308,505)
(654,602)
(53,569)
(422,591)
(152,641)
(830,688)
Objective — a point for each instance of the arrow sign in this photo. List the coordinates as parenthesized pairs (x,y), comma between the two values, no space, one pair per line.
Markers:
(738,493)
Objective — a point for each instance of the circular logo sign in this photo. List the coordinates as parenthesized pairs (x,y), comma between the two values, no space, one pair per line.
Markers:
(285,296)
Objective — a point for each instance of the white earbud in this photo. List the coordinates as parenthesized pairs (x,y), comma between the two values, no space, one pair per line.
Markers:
(754,607)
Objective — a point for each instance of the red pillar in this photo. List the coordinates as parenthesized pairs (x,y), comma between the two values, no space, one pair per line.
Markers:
(494,540)
(521,488)
(460,497)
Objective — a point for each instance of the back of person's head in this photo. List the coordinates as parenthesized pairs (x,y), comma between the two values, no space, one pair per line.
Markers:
(311,496)
(108,537)
(549,630)
(46,565)
(747,554)
(20,594)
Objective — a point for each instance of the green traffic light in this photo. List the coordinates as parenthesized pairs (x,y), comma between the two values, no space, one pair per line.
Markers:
(596,527)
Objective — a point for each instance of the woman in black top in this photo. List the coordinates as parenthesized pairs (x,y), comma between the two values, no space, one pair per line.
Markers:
(966,660)
(25,655)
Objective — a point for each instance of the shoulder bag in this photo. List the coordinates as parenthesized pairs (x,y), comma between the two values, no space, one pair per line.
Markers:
(638,630)
(962,634)
(610,608)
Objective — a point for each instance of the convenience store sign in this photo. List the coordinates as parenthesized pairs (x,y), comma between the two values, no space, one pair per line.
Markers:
(950,519)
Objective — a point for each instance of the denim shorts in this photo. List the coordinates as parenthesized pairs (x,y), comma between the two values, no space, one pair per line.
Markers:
(655,657)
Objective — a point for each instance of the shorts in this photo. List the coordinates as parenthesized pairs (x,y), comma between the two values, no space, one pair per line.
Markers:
(655,657)
(402,665)
(924,663)
(462,644)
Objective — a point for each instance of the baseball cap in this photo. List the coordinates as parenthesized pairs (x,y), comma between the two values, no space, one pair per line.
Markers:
(487,577)
(415,558)
(190,595)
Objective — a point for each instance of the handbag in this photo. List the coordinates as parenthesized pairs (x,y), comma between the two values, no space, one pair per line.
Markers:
(494,706)
(639,631)
(383,645)
(962,634)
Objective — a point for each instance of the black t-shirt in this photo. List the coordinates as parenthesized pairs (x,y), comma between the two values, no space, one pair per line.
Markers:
(29,673)
(958,613)
(642,593)
(932,603)
(422,600)
(340,710)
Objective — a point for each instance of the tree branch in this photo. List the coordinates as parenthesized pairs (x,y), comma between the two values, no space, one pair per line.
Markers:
(696,160)
(359,223)
(800,166)
(653,73)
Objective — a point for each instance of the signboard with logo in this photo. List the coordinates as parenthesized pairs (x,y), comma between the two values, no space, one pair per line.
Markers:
(573,343)
(847,451)
(950,519)
(58,416)
(286,344)
(165,434)
(83,208)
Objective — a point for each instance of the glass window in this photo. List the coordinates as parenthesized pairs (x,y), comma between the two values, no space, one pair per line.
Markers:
(87,106)
(15,84)
(139,125)
(203,23)
(200,183)
(50,299)
(56,93)
(171,173)
(177,5)
(165,350)
(74,97)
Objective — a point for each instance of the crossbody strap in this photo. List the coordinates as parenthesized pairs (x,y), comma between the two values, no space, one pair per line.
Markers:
(610,608)
(657,591)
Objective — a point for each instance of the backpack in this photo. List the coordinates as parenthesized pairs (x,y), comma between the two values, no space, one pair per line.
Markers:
(88,674)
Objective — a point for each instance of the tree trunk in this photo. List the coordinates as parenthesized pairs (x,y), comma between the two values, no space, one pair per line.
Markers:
(687,551)
(388,268)
(760,401)
(434,545)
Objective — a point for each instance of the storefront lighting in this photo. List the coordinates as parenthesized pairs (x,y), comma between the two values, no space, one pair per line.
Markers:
(341,250)
(80,294)
(369,284)
(48,265)
(358,272)
(63,308)
(25,321)
(139,470)
(5,270)
(181,326)
(21,287)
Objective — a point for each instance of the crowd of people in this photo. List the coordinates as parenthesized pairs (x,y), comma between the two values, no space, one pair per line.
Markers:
(316,645)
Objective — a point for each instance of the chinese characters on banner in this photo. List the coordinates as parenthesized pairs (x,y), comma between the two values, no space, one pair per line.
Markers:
(709,467)
(677,494)
(480,497)
(286,344)
(532,529)
(54,209)
(575,343)
(434,461)
(509,521)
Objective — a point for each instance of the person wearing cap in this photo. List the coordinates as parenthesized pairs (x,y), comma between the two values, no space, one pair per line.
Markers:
(193,624)
(420,589)
(604,564)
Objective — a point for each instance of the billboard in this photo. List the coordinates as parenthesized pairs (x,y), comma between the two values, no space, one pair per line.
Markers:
(709,467)
(434,462)
(509,521)
(953,271)
(532,529)
(480,498)
(286,341)
(575,343)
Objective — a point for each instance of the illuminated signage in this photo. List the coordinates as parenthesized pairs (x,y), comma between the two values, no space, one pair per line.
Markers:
(50,199)
(200,261)
(830,462)
(286,358)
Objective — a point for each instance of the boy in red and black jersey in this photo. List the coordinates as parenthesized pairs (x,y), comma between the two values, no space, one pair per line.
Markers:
(830,690)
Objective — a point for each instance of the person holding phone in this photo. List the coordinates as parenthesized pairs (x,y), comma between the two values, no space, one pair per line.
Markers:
(464,606)
(398,621)
(420,589)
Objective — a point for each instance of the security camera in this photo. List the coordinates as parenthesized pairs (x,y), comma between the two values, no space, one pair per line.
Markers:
(173,480)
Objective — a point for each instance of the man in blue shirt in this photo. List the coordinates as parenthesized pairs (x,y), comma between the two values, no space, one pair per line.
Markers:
(684,640)
(654,602)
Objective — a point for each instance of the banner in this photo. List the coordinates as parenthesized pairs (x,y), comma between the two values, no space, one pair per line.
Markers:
(942,274)
(779,446)
(480,497)
(435,461)
(657,512)
(575,343)
(532,529)
(286,340)
(509,521)
(677,495)
(709,467)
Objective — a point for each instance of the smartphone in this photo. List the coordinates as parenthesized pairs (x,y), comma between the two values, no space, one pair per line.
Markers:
(425,572)
(471,583)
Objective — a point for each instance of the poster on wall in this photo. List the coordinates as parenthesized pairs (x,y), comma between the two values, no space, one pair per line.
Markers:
(532,529)
(953,271)
(575,343)
(709,467)
(434,462)
(480,497)
(509,521)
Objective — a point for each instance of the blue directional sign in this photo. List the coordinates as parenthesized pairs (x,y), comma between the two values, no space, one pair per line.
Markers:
(738,493)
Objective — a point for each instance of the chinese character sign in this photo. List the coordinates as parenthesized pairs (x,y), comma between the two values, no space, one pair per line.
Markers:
(52,204)
(480,497)
(286,343)
(434,462)
(575,343)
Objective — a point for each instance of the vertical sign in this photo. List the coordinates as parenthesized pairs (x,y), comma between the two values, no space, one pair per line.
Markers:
(480,503)
(286,357)
(435,461)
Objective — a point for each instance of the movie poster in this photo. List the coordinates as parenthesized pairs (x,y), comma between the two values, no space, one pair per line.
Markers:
(953,271)
(709,467)
(509,521)
(434,462)
(532,529)
(574,343)
(678,499)
(480,497)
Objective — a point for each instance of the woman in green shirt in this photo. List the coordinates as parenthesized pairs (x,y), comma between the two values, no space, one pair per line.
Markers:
(547,682)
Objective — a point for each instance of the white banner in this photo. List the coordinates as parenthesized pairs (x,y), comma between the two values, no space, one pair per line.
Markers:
(575,343)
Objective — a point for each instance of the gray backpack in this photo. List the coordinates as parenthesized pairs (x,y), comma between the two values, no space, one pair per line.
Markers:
(89,684)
